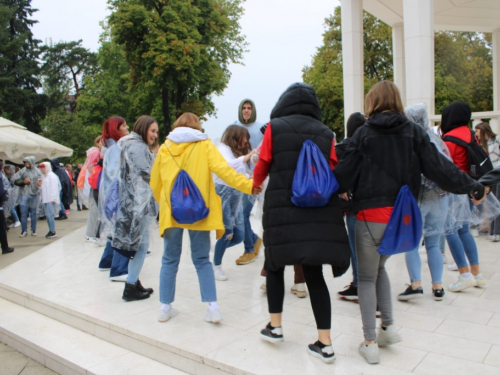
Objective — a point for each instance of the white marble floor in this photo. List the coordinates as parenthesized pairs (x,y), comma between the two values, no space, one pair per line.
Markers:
(459,335)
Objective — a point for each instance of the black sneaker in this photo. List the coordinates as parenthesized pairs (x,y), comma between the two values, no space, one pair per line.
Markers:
(438,294)
(272,334)
(410,294)
(51,235)
(350,294)
(322,351)
(8,250)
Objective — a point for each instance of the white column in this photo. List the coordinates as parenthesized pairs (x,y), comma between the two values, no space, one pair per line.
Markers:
(352,55)
(419,44)
(496,70)
(495,125)
(398,57)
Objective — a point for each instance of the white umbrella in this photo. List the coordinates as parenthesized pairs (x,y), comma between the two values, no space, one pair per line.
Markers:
(16,143)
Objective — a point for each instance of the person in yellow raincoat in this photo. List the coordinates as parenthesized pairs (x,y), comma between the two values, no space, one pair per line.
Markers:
(187,147)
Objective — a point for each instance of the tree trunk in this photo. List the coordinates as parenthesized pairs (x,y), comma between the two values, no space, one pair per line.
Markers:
(166,110)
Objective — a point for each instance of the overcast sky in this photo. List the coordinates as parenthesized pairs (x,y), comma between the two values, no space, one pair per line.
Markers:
(282,36)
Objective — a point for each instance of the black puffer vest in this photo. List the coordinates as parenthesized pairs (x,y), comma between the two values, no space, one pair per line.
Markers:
(296,235)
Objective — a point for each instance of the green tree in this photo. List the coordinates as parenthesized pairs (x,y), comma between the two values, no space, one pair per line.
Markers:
(19,68)
(325,73)
(178,51)
(65,66)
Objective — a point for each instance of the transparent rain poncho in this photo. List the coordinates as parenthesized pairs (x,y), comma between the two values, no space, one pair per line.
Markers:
(232,207)
(438,219)
(488,210)
(136,203)
(13,189)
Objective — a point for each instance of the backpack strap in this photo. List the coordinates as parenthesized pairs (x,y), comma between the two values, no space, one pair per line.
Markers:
(189,156)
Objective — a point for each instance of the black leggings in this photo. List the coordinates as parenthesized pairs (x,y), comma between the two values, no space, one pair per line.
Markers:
(318,291)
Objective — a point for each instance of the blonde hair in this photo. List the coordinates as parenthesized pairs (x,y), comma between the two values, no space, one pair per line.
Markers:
(383,97)
(187,120)
(97,140)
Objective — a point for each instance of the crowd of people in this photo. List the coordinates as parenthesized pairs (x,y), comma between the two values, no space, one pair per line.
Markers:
(129,182)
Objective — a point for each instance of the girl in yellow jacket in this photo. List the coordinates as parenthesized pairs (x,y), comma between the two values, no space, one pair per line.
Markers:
(198,156)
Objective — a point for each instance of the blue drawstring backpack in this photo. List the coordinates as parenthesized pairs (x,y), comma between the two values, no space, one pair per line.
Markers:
(404,231)
(186,201)
(313,182)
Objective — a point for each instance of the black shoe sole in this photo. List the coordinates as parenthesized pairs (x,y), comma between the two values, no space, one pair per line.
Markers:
(130,299)
(410,297)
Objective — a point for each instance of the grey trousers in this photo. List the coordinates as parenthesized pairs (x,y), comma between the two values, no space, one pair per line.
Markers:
(373,282)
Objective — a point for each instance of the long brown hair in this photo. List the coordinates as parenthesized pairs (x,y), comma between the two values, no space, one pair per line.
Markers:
(485,134)
(233,136)
(142,126)
(383,97)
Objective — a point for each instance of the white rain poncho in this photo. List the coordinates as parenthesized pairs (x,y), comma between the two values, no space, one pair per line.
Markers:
(136,197)
(436,220)
(13,189)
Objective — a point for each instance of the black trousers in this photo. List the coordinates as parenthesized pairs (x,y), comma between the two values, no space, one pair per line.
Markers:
(3,231)
(318,291)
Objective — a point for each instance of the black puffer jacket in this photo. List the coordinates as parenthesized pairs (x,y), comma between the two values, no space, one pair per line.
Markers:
(391,151)
(295,235)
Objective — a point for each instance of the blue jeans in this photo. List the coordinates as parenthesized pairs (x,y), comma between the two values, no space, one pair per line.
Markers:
(200,249)
(13,213)
(49,215)
(462,244)
(250,236)
(350,219)
(434,210)
(223,243)
(29,206)
(135,265)
(117,263)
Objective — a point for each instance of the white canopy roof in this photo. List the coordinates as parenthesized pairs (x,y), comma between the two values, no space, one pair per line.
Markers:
(16,143)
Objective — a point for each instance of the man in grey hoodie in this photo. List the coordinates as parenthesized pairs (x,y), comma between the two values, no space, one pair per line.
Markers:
(29,179)
(247,116)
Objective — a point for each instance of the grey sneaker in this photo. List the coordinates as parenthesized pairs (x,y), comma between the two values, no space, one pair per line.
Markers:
(163,316)
(321,351)
(23,234)
(388,336)
(272,334)
(369,352)
(213,316)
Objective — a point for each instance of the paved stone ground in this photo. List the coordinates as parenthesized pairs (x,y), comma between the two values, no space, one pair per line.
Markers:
(11,361)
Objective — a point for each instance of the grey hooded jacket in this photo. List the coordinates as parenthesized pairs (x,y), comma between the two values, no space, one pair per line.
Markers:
(32,173)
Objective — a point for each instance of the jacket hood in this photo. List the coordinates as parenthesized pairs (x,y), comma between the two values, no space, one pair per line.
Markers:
(55,164)
(31,160)
(47,169)
(90,150)
(387,122)
(298,99)
(181,138)
(253,117)
(355,121)
(455,115)
(418,114)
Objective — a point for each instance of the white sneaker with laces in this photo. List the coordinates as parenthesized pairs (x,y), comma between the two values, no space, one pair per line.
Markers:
(299,290)
(213,316)
(15,225)
(164,316)
(463,283)
(474,232)
(219,273)
(480,281)
(388,336)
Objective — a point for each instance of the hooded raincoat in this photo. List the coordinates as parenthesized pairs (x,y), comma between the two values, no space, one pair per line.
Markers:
(136,198)
(32,173)
(204,158)
(51,186)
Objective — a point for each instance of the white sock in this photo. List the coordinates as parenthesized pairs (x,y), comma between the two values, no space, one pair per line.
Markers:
(465,275)
(165,307)
(212,306)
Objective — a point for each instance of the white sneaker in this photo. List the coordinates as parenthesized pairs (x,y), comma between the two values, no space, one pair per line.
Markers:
(480,281)
(452,267)
(388,336)
(163,316)
(299,290)
(263,287)
(219,273)
(213,316)
(15,225)
(463,283)
(370,352)
(496,238)
(99,242)
(445,260)
(23,234)
(474,232)
(122,278)
(422,250)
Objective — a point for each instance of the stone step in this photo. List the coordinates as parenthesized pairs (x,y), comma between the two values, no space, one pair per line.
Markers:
(67,350)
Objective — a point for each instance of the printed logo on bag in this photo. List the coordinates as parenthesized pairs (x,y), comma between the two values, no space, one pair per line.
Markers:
(407,219)
(186,191)
(313,169)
